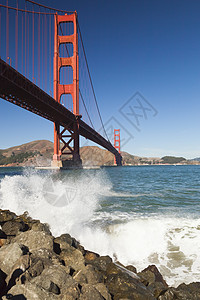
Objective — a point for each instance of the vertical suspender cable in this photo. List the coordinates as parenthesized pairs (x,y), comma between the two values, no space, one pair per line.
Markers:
(39,50)
(33,50)
(22,56)
(42,61)
(7,33)
(25,38)
(28,47)
(16,39)
(45,51)
(49,55)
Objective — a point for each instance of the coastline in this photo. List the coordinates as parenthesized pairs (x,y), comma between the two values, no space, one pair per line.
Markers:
(34,264)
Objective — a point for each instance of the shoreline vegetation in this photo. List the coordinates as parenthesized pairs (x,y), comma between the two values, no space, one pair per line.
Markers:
(40,153)
(36,265)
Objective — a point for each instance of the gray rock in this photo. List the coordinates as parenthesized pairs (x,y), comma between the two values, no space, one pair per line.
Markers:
(57,275)
(89,292)
(48,258)
(35,240)
(31,292)
(9,254)
(20,266)
(64,240)
(37,226)
(73,258)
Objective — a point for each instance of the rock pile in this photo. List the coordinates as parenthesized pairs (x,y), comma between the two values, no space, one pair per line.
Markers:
(35,265)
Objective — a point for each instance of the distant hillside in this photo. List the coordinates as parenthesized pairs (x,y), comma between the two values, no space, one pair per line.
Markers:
(36,153)
(40,153)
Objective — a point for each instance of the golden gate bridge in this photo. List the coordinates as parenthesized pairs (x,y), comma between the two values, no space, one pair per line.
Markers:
(42,50)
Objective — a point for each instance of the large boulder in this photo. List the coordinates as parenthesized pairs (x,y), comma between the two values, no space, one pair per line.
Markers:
(29,291)
(9,254)
(55,279)
(35,240)
(72,257)
(12,228)
(122,285)
(6,215)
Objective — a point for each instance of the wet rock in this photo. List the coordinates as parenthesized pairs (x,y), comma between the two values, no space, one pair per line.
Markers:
(9,254)
(183,292)
(123,286)
(90,292)
(103,291)
(131,268)
(12,228)
(6,215)
(73,258)
(169,295)
(90,256)
(157,288)
(151,274)
(88,275)
(101,263)
(35,240)
(37,226)
(65,239)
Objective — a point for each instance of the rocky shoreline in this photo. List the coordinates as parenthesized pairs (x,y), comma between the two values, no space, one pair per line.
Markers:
(36,265)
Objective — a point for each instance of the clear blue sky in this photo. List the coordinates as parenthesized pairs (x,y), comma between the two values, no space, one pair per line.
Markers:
(146,46)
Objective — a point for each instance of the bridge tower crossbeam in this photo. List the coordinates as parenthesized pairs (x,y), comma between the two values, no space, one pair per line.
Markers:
(68,137)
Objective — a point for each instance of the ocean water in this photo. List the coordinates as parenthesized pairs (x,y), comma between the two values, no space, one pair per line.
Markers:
(138,215)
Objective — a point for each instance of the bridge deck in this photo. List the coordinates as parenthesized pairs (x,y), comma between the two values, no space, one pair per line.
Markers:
(17,89)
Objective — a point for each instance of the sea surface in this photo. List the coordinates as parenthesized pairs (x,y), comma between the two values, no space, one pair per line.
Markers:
(138,215)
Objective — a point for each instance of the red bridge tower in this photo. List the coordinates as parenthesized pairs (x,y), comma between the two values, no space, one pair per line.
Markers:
(116,144)
(66,135)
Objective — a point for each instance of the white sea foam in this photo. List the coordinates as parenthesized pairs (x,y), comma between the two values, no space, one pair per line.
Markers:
(72,205)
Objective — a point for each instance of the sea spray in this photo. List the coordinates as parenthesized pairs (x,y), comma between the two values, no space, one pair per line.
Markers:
(85,204)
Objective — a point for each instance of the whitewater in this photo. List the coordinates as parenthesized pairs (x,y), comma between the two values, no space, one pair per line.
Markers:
(137,215)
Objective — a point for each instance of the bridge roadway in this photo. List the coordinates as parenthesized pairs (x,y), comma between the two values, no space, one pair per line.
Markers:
(17,89)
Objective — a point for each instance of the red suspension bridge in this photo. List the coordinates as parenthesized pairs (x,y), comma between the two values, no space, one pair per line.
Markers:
(42,50)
